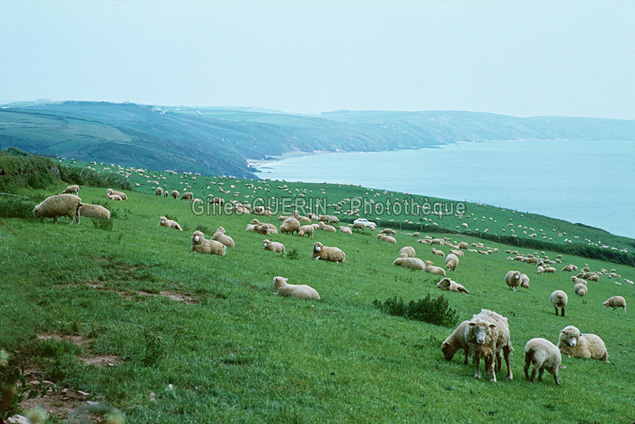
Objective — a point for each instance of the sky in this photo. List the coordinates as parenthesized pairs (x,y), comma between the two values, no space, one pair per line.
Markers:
(521,58)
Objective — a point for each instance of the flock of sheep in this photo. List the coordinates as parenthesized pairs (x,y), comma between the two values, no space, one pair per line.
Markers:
(486,335)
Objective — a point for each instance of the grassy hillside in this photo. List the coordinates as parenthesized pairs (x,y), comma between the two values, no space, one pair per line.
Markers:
(217,141)
(199,338)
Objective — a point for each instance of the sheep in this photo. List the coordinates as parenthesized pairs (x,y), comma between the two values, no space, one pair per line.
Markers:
(581,345)
(407,252)
(549,270)
(412,263)
(438,252)
(201,245)
(188,195)
(165,193)
(158,191)
(326,227)
(448,284)
(545,356)
(540,270)
(345,230)
(301,291)
(451,261)
(388,231)
(306,230)
(216,201)
(615,302)
(512,278)
(434,269)
(114,197)
(59,205)
(111,192)
(389,239)
(463,245)
(94,211)
(220,236)
(576,280)
(169,223)
(567,268)
(290,225)
(71,189)
(524,281)
(455,342)
(580,289)
(457,252)
(175,194)
(487,334)
(326,253)
(559,299)
(273,246)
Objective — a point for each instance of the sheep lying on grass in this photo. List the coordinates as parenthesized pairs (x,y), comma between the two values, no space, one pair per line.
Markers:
(114,197)
(455,342)
(326,227)
(438,252)
(488,335)
(581,345)
(434,269)
(407,252)
(345,230)
(273,246)
(545,356)
(220,236)
(201,245)
(448,284)
(59,205)
(451,262)
(524,281)
(559,299)
(94,211)
(111,192)
(512,278)
(389,239)
(169,223)
(326,253)
(412,263)
(615,302)
(291,290)
(71,189)
(580,289)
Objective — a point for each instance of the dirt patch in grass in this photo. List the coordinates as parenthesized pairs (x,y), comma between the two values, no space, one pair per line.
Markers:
(101,360)
(76,340)
(177,297)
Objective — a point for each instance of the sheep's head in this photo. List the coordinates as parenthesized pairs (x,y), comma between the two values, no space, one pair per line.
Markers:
(317,247)
(197,237)
(220,230)
(444,283)
(266,242)
(162,221)
(570,335)
(480,330)
(279,282)
(109,191)
(448,350)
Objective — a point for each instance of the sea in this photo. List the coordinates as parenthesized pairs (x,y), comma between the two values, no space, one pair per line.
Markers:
(581,181)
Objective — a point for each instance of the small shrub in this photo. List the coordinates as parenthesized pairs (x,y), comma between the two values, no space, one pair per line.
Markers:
(435,311)
(16,208)
(203,229)
(291,254)
(103,224)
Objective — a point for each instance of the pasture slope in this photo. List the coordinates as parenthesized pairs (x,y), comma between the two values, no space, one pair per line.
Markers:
(193,338)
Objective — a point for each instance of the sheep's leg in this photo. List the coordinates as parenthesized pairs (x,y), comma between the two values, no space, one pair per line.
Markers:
(563,311)
(542,370)
(477,363)
(467,353)
(506,352)
(499,362)
(533,374)
(527,362)
(556,310)
(555,376)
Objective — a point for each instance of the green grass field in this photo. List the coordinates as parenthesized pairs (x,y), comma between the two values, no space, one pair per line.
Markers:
(235,352)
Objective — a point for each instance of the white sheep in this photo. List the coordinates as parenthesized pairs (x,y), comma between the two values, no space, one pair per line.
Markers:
(615,302)
(438,252)
(581,345)
(487,334)
(411,263)
(457,252)
(326,253)
(524,281)
(345,230)
(169,223)
(580,289)
(389,239)
(559,299)
(158,191)
(540,270)
(188,195)
(220,236)
(88,210)
(301,291)
(201,245)
(448,284)
(434,269)
(114,197)
(451,262)
(544,355)
(455,342)
(273,246)
(512,278)
(175,194)
(463,245)
(407,252)
(59,205)
(290,225)
(549,270)
(111,192)
(326,227)
(71,189)
(306,230)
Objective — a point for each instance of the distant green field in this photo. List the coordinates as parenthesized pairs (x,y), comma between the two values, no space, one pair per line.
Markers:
(196,338)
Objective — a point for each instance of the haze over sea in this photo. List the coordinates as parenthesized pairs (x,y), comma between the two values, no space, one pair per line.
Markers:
(588,182)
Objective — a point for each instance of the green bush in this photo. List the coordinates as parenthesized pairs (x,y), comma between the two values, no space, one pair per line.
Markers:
(16,208)
(435,311)
(103,224)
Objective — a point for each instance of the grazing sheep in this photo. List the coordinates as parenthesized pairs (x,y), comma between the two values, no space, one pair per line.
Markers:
(345,230)
(451,262)
(111,192)
(545,356)
(448,284)
(438,252)
(567,268)
(580,289)
(165,193)
(114,197)
(217,201)
(201,245)
(559,299)
(576,280)
(455,342)
(524,281)
(512,278)
(457,252)
(188,195)
(175,194)
(301,291)
(273,246)
(326,227)
(59,205)
(220,236)
(549,270)
(71,189)
(434,269)
(412,263)
(326,253)
(389,239)
(388,231)
(94,211)
(290,225)
(540,270)
(487,334)
(407,252)
(463,245)
(158,191)
(615,302)
(581,345)
(169,223)
(306,230)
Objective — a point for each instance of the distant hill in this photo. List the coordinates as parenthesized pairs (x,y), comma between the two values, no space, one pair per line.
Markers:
(218,141)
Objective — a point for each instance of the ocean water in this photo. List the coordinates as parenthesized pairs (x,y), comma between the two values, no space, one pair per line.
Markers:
(591,182)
